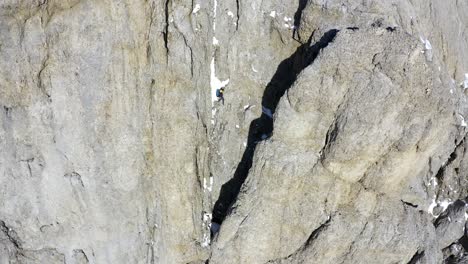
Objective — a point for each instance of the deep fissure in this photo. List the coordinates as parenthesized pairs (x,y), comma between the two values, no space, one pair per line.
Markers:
(262,127)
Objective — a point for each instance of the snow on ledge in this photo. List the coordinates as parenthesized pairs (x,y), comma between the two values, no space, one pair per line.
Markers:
(196,9)
(215,82)
(444,204)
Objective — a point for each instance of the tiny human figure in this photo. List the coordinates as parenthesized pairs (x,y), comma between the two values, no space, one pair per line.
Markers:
(220,94)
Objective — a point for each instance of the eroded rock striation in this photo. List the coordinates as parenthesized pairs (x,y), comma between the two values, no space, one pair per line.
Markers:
(342,137)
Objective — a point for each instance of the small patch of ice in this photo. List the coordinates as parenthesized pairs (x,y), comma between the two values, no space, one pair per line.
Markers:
(237,126)
(431,207)
(207,217)
(206,240)
(245,144)
(463,122)
(229,13)
(287,19)
(215,41)
(210,186)
(444,204)
(273,13)
(246,107)
(253,69)
(196,9)
(466,216)
(428,45)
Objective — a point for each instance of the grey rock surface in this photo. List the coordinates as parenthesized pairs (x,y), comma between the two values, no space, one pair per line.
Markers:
(342,137)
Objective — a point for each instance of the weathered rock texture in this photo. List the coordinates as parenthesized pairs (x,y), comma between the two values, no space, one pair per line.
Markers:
(113,150)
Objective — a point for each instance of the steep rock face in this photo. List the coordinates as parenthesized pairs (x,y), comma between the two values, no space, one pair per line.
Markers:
(116,151)
(368,143)
(349,152)
(100,100)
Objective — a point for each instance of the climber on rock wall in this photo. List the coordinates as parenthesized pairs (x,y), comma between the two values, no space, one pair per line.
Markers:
(220,94)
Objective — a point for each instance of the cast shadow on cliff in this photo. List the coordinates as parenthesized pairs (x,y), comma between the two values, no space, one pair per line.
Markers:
(262,127)
(298,17)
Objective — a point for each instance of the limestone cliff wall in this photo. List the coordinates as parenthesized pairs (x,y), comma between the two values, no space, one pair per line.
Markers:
(341,138)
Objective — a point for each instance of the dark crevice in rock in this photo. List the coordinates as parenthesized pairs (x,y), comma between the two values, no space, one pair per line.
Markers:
(464,242)
(313,236)
(238,14)
(81,255)
(74,178)
(352,28)
(416,257)
(457,206)
(452,157)
(297,19)
(262,127)
(457,252)
(409,204)
(310,240)
(391,29)
(11,235)
(40,76)
(329,138)
(166,28)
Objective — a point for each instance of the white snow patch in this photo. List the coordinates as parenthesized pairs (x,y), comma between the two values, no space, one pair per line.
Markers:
(287,19)
(463,122)
(207,217)
(273,13)
(444,204)
(210,186)
(451,91)
(215,41)
(237,126)
(246,107)
(229,13)
(466,216)
(253,69)
(245,144)
(428,45)
(196,9)
(431,207)
(206,240)
(215,82)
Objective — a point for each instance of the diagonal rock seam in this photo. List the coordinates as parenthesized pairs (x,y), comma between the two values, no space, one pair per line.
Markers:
(310,240)
(11,235)
(262,127)
(417,257)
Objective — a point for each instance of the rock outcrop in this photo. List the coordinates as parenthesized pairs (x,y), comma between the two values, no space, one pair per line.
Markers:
(342,138)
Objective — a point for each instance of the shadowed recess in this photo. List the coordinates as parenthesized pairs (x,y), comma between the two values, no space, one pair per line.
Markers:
(262,127)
